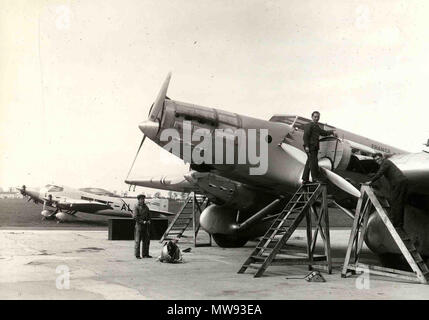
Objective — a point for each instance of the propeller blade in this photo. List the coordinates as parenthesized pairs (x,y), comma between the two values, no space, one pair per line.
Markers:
(138,150)
(341,183)
(159,102)
(295,153)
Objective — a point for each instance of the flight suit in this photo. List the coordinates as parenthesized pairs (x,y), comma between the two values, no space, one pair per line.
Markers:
(141,215)
(398,190)
(312,132)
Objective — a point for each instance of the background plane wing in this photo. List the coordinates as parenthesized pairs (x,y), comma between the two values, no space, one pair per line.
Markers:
(80,205)
(127,214)
(178,183)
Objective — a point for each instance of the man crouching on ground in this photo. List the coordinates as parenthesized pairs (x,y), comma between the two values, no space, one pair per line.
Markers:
(141,215)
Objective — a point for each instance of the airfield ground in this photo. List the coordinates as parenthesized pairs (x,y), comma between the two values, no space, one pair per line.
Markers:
(31,262)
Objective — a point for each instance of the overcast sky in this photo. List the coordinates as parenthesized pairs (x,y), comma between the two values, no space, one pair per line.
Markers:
(76,77)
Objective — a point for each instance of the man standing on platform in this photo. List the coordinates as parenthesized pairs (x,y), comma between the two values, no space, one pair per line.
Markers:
(312,132)
(141,215)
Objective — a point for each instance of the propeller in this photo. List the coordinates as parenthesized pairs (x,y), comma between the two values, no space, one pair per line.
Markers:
(22,190)
(151,126)
(326,166)
(159,102)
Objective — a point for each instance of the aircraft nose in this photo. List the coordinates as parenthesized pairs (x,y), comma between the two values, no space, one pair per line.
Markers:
(149,128)
(32,193)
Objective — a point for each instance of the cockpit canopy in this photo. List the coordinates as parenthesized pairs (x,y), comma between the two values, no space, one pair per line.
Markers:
(98,192)
(53,188)
(297,121)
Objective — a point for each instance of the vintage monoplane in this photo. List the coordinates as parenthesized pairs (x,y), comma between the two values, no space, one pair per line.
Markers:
(62,202)
(237,195)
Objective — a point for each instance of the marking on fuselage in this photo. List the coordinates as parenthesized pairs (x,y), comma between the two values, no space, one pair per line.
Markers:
(380,148)
(126,207)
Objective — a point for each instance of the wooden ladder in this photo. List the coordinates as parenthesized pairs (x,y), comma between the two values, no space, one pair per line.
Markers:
(189,212)
(403,241)
(301,205)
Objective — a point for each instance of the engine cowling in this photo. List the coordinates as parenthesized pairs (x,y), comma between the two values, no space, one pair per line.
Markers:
(416,224)
(47,214)
(337,151)
(219,219)
(62,216)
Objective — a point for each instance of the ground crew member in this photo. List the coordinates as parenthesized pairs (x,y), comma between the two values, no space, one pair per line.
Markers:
(141,215)
(398,188)
(312,132)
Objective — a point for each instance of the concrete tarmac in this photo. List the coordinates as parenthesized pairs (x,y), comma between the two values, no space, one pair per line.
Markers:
(35,264)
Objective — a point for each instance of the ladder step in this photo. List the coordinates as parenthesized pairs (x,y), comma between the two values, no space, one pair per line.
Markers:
(272,239)
(259,257)
(264,248)
(419,259)
(280,228)
(179,226)
(251,266)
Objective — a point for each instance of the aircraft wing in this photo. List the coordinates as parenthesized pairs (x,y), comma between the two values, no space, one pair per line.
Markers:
(127,214)
(98,208)
(415,167)
(178,183)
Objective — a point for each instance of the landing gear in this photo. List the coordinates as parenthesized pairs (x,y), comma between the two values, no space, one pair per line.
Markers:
(229,241)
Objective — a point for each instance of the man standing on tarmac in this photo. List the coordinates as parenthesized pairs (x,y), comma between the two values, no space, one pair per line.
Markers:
(398,188)
(312,132)
(141,215)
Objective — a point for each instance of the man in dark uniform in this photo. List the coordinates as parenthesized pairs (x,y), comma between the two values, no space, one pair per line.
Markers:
(398,188)
(141,215)
(312,132)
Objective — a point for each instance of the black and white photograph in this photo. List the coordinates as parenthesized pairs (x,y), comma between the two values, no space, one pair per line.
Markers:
(227,151)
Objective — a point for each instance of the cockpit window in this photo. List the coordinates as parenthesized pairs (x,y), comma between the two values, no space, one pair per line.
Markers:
(98,191)
(53,188)
(298,122)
